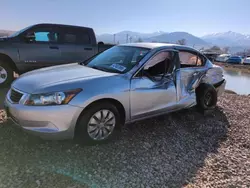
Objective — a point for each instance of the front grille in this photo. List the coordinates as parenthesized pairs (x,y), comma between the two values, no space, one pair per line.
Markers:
(15,96)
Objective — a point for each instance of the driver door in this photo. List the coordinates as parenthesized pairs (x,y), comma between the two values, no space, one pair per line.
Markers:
(41,50)
(153,89)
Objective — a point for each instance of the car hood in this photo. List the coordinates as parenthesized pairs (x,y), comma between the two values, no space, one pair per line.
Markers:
(32,81)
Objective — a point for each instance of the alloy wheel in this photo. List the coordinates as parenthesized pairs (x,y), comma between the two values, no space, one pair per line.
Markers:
(101,125)
(3,75)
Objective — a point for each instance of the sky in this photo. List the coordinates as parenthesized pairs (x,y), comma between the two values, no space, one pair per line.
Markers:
(198,17)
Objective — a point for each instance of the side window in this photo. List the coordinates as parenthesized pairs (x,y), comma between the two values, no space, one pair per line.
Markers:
(69,38)
(199,61)
(84,38)
(75,37)
(158,65)
(43,36)
(188,59)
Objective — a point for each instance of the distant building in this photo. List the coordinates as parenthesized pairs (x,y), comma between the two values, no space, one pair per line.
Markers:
(210,55)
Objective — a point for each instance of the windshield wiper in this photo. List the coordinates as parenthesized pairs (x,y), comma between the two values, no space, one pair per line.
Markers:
(100,68)
(104,69)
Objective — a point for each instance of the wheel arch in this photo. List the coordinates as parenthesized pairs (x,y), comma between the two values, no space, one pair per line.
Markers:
(202,85)
(5,58)
(200,93)
(115,102)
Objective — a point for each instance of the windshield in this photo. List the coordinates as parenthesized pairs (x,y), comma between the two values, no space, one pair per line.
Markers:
(18,32)
(118,59)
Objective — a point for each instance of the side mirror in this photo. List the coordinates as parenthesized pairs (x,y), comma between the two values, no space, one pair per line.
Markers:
(29,37)
(100,43)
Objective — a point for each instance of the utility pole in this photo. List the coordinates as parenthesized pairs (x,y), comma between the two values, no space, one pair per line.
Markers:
(114,38)
(127,38)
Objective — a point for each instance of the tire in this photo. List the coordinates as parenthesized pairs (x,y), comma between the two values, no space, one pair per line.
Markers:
(82,132)
(6,74)
(206,97)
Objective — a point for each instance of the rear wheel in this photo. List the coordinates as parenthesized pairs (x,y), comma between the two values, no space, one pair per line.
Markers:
(6,74)
(98,124)
(206,97)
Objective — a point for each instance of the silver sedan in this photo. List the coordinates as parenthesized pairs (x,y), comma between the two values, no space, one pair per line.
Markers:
(91,100)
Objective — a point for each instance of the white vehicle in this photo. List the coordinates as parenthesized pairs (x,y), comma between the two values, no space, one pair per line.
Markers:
(223,57)
(246,61)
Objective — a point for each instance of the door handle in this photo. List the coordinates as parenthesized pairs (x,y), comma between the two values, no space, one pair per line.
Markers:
(88,48)
(54,47)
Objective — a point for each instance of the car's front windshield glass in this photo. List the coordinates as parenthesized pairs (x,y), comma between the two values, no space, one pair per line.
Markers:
(20,31)
(118,59)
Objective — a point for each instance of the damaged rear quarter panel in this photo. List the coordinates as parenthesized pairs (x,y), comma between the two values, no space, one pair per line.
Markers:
(213,75)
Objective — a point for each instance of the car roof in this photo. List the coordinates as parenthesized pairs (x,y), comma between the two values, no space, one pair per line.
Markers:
(235,57)
(60,25)
(162,46)
(150,45)
(222,55)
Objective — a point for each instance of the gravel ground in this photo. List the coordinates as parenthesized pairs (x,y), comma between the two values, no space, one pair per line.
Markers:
(183,149)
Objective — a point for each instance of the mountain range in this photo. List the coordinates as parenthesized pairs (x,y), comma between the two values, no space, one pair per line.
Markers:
(229,38)
(5,33)
(236,41)
(124,36)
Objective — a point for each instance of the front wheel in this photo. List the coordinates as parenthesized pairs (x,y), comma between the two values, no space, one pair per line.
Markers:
(6,74)
(206,97)
(98,124)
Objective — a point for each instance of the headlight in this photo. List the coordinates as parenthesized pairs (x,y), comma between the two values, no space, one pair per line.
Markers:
(55,98)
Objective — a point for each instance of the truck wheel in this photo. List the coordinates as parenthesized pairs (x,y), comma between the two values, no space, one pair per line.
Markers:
(6,74)
(98,124)
(206,97)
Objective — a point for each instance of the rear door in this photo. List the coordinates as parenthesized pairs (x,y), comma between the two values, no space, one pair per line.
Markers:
(86,44)
(42,50)
(75,44)
(191,69)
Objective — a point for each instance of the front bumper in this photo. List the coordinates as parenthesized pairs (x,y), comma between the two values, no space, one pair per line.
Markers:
(47,122)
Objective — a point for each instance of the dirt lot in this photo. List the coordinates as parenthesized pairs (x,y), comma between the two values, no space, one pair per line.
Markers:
(181,149)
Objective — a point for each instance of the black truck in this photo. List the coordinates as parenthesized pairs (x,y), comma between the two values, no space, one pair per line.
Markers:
(44,45)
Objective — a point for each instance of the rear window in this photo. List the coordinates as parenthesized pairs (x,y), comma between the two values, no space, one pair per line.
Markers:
(76,36)
(70,38)
(84,38)
(188,59)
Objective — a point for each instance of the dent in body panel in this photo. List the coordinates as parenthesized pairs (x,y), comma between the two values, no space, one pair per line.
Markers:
(190,78)
(148,97)
(213,75)
(185,97)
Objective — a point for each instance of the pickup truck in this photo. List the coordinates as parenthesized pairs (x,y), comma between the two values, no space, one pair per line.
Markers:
(44,45)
